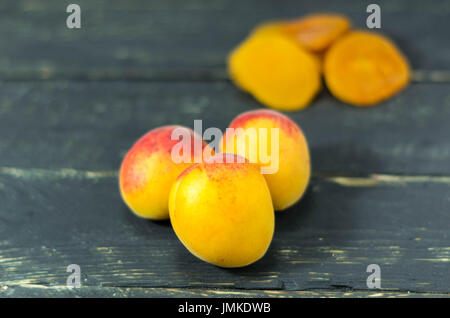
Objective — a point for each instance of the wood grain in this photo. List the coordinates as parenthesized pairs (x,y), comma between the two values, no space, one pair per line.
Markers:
(188,40)
(73,101)
(90,125)
(117,292)
(324,242)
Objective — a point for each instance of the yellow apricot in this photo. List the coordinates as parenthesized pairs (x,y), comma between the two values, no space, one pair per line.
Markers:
(288,184)
(363,68)
(148,171)
(222,212)
(276,71)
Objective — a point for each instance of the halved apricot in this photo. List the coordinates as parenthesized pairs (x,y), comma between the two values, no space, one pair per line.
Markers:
(276,71)
(317,32)
(363,68)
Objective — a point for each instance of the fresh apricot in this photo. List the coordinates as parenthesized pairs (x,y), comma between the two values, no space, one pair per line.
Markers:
(363,68)
(288,161)
(222,212)
(148,171)
(275,70)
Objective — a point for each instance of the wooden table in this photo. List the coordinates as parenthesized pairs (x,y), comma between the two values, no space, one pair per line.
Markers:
(72,102)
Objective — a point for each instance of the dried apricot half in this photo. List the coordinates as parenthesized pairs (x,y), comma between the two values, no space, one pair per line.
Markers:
(276,71)
(316,32)
(363,68)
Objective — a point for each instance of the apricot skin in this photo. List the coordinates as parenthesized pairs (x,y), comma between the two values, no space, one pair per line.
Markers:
(289,183)
(148,171)
(222,212)
(363,68)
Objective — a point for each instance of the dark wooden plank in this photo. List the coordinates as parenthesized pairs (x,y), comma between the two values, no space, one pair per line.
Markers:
(90,125)
(323,243)
(117,292)
(61,143)
(187,39)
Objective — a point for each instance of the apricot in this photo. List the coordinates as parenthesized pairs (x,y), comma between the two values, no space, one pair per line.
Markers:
(275,70)
(363,68)
(148,171)
(222,212)
(316,32)
(288,183)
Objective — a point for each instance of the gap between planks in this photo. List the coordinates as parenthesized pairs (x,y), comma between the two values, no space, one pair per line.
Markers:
(370,180)
(210,75)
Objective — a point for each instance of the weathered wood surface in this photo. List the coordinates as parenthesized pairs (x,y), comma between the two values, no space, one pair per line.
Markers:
(119,292)
(324,242)
(90,125)
(380,191)
(190,39)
